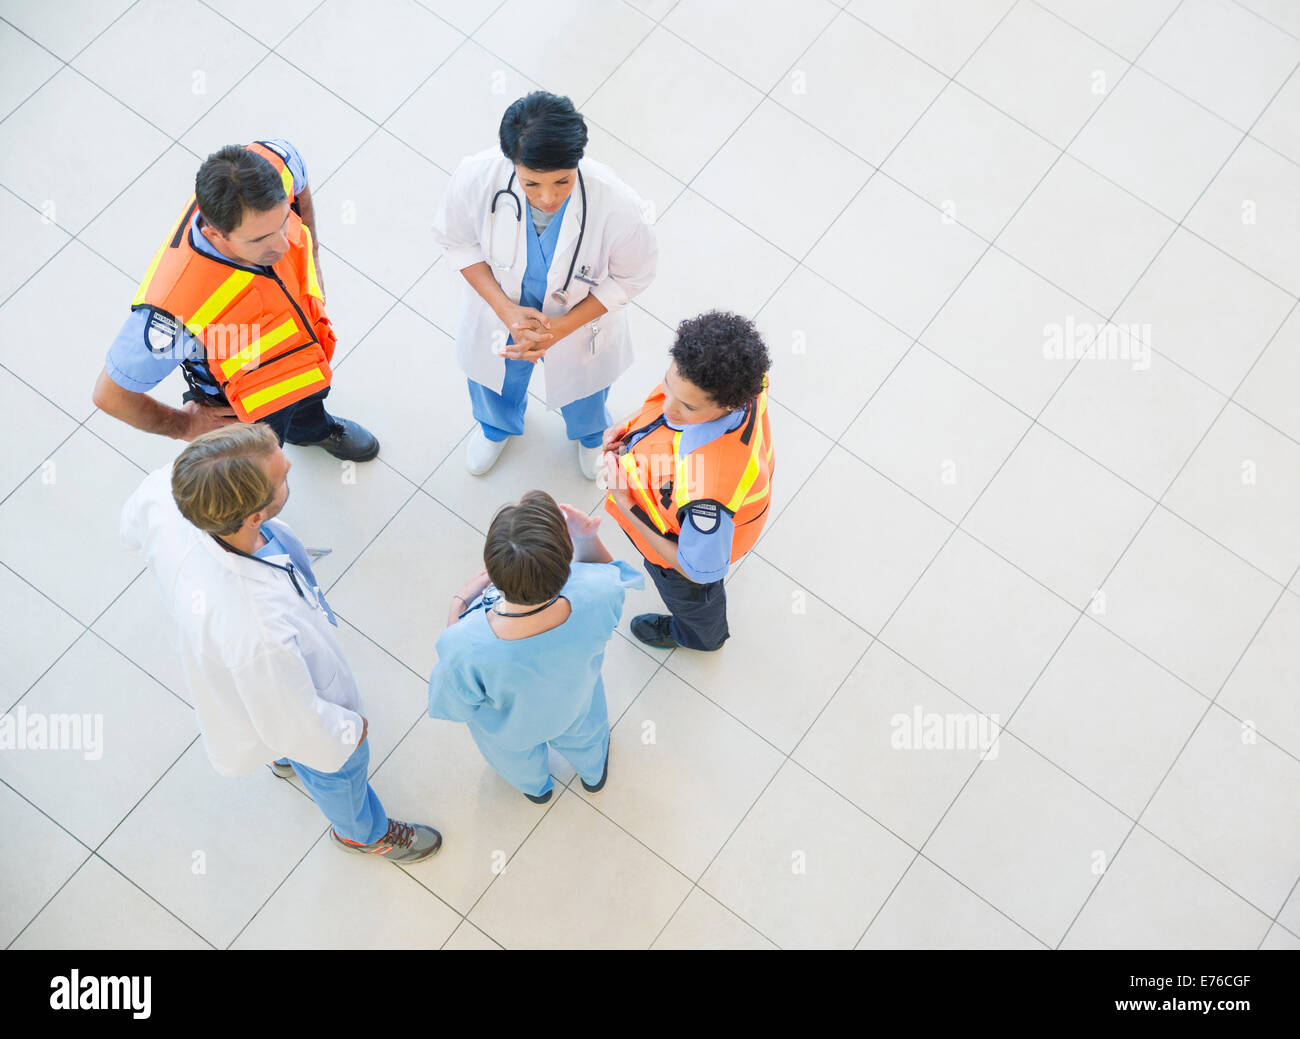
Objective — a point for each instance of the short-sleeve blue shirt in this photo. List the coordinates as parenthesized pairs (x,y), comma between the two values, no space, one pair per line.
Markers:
(147,348)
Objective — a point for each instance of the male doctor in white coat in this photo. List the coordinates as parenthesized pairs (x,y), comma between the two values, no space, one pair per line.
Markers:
(264,668)
(553,246)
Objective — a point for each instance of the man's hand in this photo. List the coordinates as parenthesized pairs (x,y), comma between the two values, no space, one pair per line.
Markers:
(202,418)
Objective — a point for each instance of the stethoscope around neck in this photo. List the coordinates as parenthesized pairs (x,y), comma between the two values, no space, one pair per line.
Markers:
(288,568)
(560,295)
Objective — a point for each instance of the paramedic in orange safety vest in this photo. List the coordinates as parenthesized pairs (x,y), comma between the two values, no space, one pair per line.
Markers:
(234,296)
(690,476)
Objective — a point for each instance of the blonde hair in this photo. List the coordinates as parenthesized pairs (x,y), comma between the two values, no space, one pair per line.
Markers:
(218,481)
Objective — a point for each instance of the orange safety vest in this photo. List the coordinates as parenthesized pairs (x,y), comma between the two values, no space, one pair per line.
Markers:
(734,472)
(267,342)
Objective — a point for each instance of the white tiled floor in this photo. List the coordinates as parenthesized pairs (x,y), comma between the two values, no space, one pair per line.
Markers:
(1099,551)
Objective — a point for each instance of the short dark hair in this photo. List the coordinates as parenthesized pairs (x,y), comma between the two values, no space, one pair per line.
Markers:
(528,550)
(232,180)
(724,355)
(543,132)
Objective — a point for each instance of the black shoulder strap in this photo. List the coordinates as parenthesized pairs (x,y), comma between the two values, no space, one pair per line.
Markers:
(748,434)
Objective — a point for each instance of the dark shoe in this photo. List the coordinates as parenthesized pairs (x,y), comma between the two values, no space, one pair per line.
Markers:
(654,630)
(599,784)
(404,842)
(542,799)
(284,771)
(348,441)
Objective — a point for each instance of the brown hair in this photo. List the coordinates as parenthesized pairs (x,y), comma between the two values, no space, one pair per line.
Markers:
(219,480)
(528,550)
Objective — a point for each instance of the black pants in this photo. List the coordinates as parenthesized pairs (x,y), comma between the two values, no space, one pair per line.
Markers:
(699,610)
(302,423)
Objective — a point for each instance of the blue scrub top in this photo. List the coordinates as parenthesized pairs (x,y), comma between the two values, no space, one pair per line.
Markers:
(704,542)
(145,350)
(525,692)
(283,547)
(541,249)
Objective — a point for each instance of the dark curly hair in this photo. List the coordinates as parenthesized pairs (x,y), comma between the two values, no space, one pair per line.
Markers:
(723,355)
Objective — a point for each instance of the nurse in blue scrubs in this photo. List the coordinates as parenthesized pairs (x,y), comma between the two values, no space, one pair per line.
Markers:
(520,659)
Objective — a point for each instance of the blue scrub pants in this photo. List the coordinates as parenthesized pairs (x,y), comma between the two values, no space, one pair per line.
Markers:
(502,414)
(585,745)
(346,797)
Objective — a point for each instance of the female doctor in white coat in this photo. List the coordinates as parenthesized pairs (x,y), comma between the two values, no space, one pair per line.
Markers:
(553,246)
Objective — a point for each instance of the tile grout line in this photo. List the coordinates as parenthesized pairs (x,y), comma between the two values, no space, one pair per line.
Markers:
(1137,821)
(938,824)
(430,496)
(988,483)
(94,851)
(945,303)
(717,151)
(551,804)
(1191,735)
(1266,21)
(82,424)
(799,263)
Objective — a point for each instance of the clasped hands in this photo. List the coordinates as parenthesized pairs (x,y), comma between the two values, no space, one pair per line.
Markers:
(531,331)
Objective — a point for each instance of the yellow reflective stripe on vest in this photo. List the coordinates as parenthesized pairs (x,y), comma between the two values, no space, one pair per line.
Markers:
(269,341)
(216,304)
(679,492)
(313,283)
(628,462)
(157,257)
(279,389)
(286,178)
(148,275)
(751,467)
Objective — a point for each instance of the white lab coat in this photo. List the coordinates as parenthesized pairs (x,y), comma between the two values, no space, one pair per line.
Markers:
(618,245)
(263,666)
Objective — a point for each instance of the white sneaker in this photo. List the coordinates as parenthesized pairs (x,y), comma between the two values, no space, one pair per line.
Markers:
(481,454)
(589,460)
